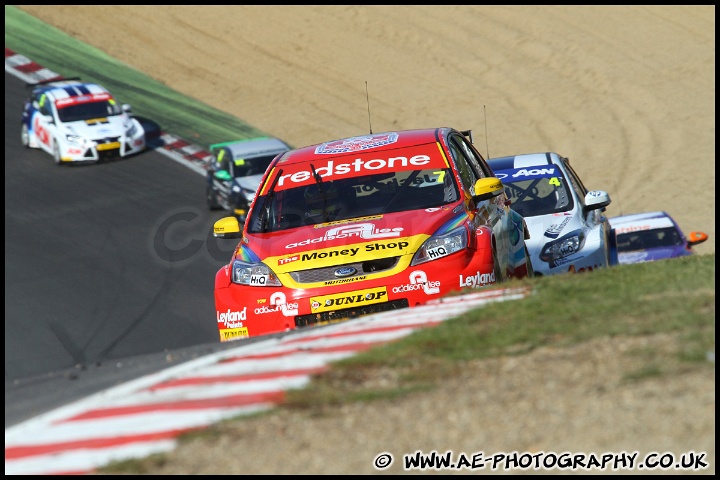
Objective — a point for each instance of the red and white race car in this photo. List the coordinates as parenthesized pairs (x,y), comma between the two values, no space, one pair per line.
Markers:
(79,122)
(366,224)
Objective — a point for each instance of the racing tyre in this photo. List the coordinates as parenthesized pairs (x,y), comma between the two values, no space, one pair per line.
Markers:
(211,196)
(56,153)
(25,136)
(499,277)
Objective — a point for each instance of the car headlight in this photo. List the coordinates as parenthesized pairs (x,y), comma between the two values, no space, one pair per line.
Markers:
(131,131)
(441,246)
(74,139)
(563,247)
(255,274)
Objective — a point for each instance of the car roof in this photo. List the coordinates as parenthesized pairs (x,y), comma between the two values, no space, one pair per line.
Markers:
(70,88)
(354,145)
(524,160)
(253,147)
(641,221)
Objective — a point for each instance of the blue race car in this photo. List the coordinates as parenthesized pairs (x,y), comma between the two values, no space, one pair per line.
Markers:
(645,237)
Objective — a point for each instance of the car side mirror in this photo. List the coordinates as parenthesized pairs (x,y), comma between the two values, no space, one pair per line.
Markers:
(127,108)
(696,238)
(227,227)
(596,199)
(487,188)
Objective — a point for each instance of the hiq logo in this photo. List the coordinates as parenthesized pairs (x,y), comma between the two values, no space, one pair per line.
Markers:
(258,280)
(437,252)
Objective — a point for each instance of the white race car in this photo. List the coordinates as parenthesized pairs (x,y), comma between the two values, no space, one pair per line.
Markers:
(76,121)
(568,229)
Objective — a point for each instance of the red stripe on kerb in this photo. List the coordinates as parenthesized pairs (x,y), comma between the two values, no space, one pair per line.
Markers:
(355,347)
(28,68)
(365,331)
(200,155)
(95,443)
(236,378)
(177,143)
(231,401)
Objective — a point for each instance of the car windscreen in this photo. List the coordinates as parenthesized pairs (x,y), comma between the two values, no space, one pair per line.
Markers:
(88,111)
(368,195)
(644,239)
(244,167)
(534,192)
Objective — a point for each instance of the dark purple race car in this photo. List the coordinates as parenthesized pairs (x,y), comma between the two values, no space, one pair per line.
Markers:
(645,237)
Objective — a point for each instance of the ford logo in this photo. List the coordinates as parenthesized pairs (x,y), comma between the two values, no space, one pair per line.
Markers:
(345,272)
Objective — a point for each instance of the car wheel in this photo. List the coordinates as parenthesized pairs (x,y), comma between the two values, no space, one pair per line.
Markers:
(25,136)
(499,277)
(211,196)
(56,153)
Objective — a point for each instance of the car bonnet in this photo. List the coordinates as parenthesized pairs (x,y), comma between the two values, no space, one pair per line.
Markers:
(112,126)
(353,240)
(636,222)
(652,254)
(547,228)
(249,182)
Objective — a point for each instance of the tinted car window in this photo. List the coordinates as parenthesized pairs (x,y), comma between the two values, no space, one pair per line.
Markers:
(643,239)
(474,159)
(575,181)
(468,176)
(353,197)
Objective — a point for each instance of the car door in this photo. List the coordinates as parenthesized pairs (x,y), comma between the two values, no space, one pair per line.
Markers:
(596,223)
(43,125)
(223,176)
(492,213)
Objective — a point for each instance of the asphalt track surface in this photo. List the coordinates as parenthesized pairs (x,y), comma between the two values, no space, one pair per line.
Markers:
(109,270)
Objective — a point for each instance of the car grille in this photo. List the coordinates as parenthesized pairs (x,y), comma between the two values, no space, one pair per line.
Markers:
(108,147)
(328,273)
(348,313)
